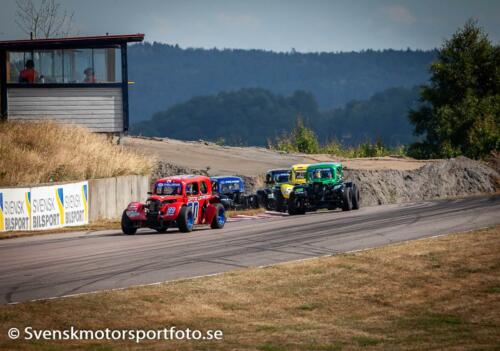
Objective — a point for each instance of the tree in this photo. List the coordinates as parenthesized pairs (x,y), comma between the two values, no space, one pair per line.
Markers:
(300,139)
(304,138)
(460,109)
(46,20)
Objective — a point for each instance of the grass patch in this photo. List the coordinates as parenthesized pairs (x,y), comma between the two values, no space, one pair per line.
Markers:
(364,341)
(493,290)
(400,297)
(44,152)
(95,226)
(250,212)
(271,347)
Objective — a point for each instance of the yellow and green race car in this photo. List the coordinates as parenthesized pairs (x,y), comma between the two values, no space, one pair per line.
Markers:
(280,184)
(297,176)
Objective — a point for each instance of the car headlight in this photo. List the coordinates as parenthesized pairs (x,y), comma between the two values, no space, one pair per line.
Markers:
(170,211)
(132,213)
(337,186)
(288,191)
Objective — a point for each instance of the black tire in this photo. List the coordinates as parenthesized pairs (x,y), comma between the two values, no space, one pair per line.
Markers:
(355,197)
(253,201)
(271,205)
(185,220)
(220,217)
(293,209)
(261,199)
(347,200)
(280,201)
(127,225)
(256,202)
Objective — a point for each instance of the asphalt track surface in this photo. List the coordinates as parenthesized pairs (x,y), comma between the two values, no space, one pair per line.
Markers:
(64,264)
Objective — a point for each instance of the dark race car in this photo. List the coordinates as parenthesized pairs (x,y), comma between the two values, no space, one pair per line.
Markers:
(231,191)
(271,197)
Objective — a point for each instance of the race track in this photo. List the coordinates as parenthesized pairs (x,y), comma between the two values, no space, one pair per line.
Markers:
(64,264)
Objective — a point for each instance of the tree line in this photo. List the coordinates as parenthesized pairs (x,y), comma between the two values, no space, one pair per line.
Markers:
(258,117)
(166,75)
(456,113)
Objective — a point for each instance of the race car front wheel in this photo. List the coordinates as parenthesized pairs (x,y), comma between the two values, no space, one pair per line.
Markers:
(185,221)
(127,225)
(295,207)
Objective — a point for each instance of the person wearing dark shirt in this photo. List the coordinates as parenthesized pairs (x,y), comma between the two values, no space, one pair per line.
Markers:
(89,76)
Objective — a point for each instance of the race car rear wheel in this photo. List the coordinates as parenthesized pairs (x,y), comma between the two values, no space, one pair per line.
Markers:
(355,197)
(127,225)
(280,202)
(220,217)
(254,201)
(347,200)
(185,220)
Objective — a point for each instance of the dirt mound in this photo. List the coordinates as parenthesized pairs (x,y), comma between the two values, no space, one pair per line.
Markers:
(441,179)
(165,169)
(434,180)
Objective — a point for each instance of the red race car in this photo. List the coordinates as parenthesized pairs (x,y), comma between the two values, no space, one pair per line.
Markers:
(181,201)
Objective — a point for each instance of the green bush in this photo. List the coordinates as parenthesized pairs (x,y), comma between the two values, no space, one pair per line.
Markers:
(303,139)
(300,139)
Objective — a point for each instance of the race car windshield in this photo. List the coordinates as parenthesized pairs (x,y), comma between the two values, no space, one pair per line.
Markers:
(272,178)
(300,175)
(168,189)
(229,187)
(321,174)
(281,178)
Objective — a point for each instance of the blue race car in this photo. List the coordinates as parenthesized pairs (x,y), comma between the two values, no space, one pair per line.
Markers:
(231,191)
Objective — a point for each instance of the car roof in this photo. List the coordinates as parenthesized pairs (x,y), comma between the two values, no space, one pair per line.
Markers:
(325,164)
(276,170)
(226,178)
(300,166)
(185,178)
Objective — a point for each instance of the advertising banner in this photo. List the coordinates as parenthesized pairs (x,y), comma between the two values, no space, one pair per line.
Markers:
(15,209)
(47,211)
(75,203)
(44,207)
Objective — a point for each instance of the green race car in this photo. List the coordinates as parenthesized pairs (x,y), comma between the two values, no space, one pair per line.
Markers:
(324,188)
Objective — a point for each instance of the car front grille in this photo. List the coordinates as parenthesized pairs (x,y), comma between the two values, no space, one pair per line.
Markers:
(153,207)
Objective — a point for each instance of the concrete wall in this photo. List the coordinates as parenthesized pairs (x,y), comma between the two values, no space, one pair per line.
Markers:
(108,197)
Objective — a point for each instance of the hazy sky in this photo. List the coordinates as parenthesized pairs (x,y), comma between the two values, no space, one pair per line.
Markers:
(314,25)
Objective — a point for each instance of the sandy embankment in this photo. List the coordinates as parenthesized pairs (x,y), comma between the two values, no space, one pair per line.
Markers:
(382,180)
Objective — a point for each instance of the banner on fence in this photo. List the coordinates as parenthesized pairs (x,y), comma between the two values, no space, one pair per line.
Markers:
(45,207)
(75,203)
(15,209)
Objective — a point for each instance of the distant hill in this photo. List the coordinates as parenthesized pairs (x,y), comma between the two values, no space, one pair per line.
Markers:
(166,75)
(383,116)
(254,116)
